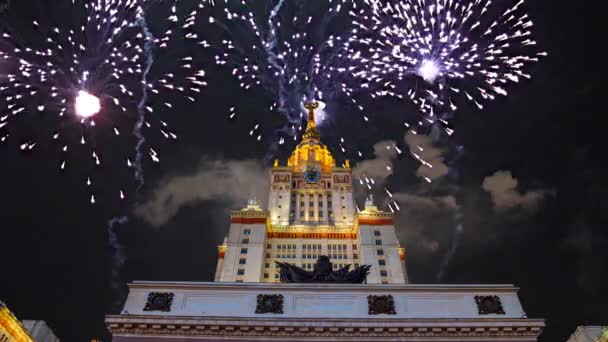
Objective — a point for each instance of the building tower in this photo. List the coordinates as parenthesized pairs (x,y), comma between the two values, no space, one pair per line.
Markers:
(311,212)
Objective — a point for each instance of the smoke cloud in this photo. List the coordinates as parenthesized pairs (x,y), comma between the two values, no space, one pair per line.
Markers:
(433,164)
(502,186)
(381,166)
(232,180)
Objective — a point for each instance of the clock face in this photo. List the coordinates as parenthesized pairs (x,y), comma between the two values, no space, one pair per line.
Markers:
(312,176)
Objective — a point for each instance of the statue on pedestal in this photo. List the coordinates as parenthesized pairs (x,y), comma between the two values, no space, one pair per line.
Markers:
(323,273)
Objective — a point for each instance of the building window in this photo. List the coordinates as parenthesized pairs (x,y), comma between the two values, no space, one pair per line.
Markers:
(380,252)
(378,242)
(269,246)
(311,214)
(355,256)
(382,262)
(242,261)
(239,280)
(247,231)
(245,241)
(243,250)
(265,275)
(280,195)
(279,206)
(268,255)
(320,204)
(383,273)
(330,213)
(301,214)
(266,265)
(276,276)
(240,271)
(356,265)
(376,233)
(354,247)
(384,282)
(329,204)
(320,214)
(302,204)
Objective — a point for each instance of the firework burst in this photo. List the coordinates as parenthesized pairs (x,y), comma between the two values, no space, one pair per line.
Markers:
(290,48)
(94,75)
(437,51)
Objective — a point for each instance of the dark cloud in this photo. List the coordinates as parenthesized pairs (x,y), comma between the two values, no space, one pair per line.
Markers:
(233,180)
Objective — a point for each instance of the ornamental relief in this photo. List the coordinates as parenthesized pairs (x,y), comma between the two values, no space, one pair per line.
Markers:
(159,301)
(378,305)
(269,304)
(487,305)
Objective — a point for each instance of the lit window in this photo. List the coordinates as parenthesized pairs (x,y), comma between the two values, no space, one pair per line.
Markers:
(380,252)
(383,273)
(247,231)
(240,271)
(378,242)
(243,250)
(242,261)
(382,262)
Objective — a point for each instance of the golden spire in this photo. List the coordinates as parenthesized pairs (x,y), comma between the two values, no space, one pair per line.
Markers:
(311,128)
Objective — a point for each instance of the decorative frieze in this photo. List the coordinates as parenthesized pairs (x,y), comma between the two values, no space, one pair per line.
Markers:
(378,305)
(159,301)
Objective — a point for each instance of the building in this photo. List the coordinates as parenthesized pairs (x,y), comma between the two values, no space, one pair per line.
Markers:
(13,330)
(312,213)
(590,334)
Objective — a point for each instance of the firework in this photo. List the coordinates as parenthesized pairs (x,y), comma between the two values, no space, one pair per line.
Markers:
(290,48)
(435,52)
(95,75)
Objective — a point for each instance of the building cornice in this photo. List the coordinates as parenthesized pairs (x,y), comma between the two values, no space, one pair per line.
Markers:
(269,327)
(501,288)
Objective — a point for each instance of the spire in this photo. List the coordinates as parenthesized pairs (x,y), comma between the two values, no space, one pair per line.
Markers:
(311,128)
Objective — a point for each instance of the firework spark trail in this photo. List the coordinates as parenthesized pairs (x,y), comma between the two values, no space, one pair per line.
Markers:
(118,259)
(137,130)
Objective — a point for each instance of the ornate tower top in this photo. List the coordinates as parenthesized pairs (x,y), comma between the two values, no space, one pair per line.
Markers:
(311,153)
(311,128)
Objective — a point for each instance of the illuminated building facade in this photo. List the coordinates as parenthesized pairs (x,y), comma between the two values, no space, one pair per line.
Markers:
(311,212)
(13,330)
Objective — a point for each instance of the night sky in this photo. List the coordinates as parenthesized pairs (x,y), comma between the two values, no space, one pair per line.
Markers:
(58,263)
